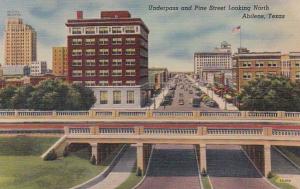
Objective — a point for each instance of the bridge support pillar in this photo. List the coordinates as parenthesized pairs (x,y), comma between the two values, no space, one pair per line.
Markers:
(140,158)
(203,164)
(95,151)
(267,159)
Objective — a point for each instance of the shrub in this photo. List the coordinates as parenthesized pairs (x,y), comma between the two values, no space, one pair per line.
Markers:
(138,172)
(51,156)
(93,160)
(270,175)
(203,172)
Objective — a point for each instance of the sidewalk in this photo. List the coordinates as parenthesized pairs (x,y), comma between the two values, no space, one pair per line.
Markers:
(159,99)
(120,172)
(220,101)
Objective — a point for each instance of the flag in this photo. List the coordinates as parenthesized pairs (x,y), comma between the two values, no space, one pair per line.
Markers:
(236,29)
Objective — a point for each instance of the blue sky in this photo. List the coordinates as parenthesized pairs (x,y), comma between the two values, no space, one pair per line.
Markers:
(174,36)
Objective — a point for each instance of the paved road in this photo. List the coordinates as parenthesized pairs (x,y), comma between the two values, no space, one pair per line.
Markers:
(172,167)
(120,172)
(229,168)
(187,102)
(284,168)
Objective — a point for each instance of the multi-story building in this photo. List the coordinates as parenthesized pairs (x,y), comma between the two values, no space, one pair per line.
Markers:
(249,65)
(60,61)
(19,42)
(206,64)
(291,65)
(110,55)
(157,77)
(38,68)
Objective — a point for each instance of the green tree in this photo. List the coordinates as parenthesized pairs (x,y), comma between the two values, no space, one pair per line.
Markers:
(87,98)
(272,93)
(6,96)
(21,97)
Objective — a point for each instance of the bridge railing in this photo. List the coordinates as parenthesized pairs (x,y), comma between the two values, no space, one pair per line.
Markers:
(199,131)
(150,114)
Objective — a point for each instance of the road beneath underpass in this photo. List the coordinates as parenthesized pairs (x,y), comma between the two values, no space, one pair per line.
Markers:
(229,168)
(172,167)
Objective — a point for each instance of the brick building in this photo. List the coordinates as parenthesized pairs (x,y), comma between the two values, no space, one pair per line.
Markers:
(110,55)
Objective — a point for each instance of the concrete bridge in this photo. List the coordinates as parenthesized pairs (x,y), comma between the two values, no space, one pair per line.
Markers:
(256,132)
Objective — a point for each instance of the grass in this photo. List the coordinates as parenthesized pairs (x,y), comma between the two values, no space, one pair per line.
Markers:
(131,181)
(205,182)
(22,167)
(277,181)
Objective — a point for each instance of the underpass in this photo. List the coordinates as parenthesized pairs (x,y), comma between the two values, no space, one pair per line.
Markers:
(229,168)
(172,167)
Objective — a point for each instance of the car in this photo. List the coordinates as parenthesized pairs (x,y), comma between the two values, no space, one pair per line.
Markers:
(181,102)
(180,94)
(212,104)
(191,91)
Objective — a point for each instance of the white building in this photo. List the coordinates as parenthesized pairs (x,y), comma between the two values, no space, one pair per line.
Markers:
(38,68)
(14,70)
(217,61)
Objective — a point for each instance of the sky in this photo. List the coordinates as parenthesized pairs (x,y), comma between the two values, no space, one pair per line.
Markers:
(174,35)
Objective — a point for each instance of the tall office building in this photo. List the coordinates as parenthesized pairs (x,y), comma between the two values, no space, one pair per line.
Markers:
(110,55)
(19,42)
(60,61)
(207,64)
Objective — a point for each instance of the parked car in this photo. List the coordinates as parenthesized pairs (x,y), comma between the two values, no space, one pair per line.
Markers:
(212,104)
(181,102)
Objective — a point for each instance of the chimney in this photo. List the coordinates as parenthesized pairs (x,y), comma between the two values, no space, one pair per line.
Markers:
(79,14)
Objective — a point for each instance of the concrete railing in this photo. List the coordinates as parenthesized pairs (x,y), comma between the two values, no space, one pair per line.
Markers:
(150,114)
(140,130)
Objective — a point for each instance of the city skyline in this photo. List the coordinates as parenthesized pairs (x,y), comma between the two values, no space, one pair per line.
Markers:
(174,36)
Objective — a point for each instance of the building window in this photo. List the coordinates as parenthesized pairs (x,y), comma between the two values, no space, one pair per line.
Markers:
(103,97)
(247,76)
(129,29)
(77,73)
(130,82)
(77,52)
(116,97)
(103,83)
(117,83)
(259,64)
(117,73)
(103,51)
(103,41)
(116,30)
(272,64)
(271,73)
(76,30)
(90,83)
(246,64)
(117,52)
(90,63)
(103,30)
(103,62)
(130,97)
(90,41)
(117,41)
(259,74)
(117,62)
(130,52)
(90,73)
(90,52)
(77,63)
(130,73)
(297,75)
(130,62)
(90,30)
(76,41)
(130,41)
(103,73)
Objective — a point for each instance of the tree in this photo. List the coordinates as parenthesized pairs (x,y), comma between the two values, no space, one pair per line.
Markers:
(20,100)
(87,96)
(6,95)
(272,93)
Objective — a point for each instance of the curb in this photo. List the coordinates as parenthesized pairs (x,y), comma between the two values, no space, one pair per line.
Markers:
(199,173)
(141,182)
(104,173)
